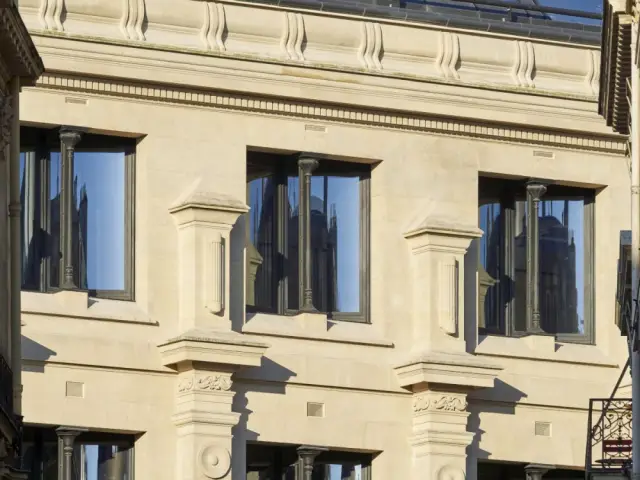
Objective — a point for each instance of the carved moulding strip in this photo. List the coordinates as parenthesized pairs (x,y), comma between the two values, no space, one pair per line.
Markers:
(333,112)
(209,383)
(212,33)
(50,15)
(292,39)
(429,401)
(133,13)
(370,49)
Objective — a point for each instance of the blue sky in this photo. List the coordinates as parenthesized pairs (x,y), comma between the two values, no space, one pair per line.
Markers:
(586,5)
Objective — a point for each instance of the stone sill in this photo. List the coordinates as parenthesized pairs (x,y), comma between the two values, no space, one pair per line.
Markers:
(78,304)
(543,348)
(315,327)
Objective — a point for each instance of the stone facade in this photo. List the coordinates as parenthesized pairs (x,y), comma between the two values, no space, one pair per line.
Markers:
(196,378)
(20,66)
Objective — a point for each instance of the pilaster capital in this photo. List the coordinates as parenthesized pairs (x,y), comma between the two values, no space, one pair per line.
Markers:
(441,234)
(198,205)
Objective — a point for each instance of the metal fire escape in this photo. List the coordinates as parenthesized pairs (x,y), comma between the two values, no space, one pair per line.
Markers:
(609,431)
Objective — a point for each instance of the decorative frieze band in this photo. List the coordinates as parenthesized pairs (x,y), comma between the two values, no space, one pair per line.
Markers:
(431,401)
(334,113)
(205,383)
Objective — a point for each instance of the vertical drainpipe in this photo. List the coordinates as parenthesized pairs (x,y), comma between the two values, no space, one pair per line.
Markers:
(635,243)
(15,260)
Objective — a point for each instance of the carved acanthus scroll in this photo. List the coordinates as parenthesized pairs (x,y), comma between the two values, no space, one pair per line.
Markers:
(428,401)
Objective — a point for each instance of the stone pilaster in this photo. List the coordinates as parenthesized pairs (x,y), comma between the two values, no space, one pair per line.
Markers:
(205,361)
(437,268)
(440,436)
(440,383)
(204,220)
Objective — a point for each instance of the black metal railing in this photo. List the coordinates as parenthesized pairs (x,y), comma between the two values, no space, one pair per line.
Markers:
(609,442)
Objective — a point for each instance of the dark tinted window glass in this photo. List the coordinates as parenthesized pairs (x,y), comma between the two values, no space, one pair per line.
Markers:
(292,260)
(561,224)
(261,247)
(99,220)
(335,243)
(490,264)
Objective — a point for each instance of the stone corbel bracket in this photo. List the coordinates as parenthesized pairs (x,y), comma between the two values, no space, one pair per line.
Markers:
(204,220)
(438,248)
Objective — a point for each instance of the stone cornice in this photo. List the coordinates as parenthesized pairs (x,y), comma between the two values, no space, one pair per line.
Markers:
(388,48)
(332,112)
(19,56)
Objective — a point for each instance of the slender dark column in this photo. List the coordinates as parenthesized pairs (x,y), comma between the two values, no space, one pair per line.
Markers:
(536,472)
(68,141)
(307,456)
(68,437)
(306,166)
(535,190)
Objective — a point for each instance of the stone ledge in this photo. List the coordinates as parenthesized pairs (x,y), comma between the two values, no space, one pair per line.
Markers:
(78,304)
(528,349)
(212,346)
(293,327)
(460,371)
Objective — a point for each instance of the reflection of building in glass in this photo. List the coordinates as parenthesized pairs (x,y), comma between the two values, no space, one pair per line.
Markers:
(261,291)
(557,263)
(324,254)
(80,230)
(261,261)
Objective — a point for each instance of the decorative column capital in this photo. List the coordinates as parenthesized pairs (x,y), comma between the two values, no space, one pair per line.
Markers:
(307,455)
(69,137)
(307,164)
(536,472)
(536,189)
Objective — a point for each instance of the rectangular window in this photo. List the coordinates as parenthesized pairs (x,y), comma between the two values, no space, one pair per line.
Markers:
(333,207)
(535,266)
(84,241)
(285,462)
(96,455)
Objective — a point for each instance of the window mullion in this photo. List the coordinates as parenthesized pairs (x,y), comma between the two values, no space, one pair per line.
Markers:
(535,190)
(306,166)
(68,141)
(507,270)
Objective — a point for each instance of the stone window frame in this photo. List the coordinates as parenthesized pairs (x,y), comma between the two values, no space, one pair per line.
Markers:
(521,189)
(40,142)
(284,164)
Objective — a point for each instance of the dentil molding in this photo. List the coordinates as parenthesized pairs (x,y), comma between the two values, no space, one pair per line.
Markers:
(338,113)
